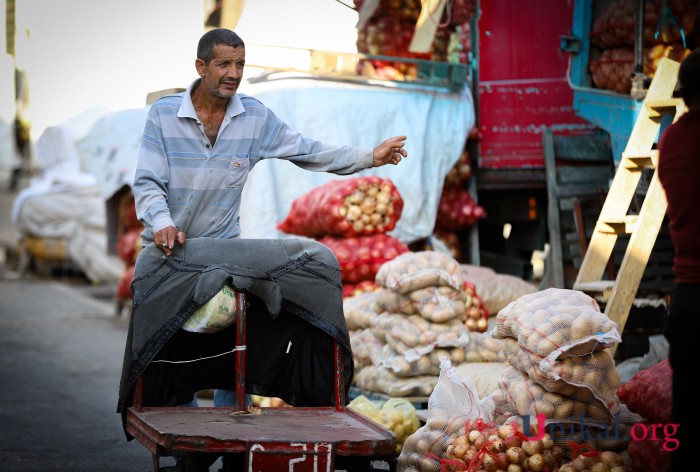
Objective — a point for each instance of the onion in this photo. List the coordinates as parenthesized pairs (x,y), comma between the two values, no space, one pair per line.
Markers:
(600,467)
(535,463)
(611,458)
(496,444)
(547,442)
(532,447)
(516,455)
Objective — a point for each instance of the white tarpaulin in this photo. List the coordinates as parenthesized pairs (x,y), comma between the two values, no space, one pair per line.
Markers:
(436,122)
(110,149)
(74,212)
(65,203)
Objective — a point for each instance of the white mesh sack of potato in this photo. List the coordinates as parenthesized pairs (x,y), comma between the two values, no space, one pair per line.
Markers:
(360,310)
(483,347)
(580,377)
(367,349)
(439,304)
(529,398)
(413,354)
(556,323)
(392,302)
(419,364)
(599,435)
(415,270)
(380,380)
(401,348)
(419,333)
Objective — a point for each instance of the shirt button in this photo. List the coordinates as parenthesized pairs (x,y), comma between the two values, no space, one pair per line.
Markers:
(207,146)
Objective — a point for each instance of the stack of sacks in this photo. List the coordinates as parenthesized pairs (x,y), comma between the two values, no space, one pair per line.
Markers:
(352,217)
(360,313)
(556,342)
(421,315)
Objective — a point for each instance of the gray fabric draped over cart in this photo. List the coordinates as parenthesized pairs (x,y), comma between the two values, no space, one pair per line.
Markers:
(294,315)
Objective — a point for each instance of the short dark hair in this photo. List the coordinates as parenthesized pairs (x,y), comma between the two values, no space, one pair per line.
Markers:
(689,78)
(213,37)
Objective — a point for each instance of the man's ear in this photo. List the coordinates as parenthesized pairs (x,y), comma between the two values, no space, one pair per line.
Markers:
(200,66)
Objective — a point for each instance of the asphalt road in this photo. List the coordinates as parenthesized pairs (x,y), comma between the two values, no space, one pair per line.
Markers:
(61,352)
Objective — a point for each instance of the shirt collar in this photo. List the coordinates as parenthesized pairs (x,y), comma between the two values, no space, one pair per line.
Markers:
(234,107)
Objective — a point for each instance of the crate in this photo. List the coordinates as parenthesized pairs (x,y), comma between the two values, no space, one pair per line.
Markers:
(349,67)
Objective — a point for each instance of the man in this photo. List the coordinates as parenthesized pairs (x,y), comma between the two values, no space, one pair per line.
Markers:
(679,174)
(199,146)
(197,150)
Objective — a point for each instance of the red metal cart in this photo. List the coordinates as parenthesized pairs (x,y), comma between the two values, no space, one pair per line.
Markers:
(271,439)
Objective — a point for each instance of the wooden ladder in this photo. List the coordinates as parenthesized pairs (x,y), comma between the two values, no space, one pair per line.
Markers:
(618,295)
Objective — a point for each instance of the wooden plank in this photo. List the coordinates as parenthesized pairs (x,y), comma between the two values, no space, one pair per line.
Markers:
(671,106)
(649,159)
(600,289)
(637,254)
(625,225)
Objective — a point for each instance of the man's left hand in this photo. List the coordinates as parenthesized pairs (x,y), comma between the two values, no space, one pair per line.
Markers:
(390,151)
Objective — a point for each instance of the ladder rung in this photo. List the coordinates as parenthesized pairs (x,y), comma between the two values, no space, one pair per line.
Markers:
(657,108)
(639,160)
(599,289)
(624,225)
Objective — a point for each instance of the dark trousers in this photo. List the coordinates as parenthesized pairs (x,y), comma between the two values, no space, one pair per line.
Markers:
(683,334)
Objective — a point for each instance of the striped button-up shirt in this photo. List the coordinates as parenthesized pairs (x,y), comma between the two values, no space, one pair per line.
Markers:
(184,181)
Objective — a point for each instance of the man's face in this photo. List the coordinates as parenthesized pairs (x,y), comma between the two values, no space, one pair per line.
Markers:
(223,74)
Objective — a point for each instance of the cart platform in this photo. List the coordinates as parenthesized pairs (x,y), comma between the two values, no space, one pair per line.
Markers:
(309,438)
(270,439)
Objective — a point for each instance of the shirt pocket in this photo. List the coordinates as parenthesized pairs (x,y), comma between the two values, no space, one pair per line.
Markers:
(237,173)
